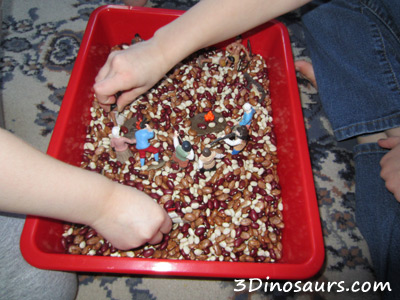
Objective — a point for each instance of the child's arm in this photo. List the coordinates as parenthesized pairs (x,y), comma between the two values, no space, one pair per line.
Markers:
(37,184)
(138,68)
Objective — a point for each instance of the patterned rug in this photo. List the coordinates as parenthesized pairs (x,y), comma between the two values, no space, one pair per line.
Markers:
(40,42)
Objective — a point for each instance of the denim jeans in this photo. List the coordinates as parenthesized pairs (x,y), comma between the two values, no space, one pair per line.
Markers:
(355,50)
(378,216)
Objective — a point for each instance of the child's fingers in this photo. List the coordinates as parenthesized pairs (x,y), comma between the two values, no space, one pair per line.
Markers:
(107,88)
(102,73)
(166,225)
(390,142)
(127,97)
(101,91)
(106,104)
(157,238)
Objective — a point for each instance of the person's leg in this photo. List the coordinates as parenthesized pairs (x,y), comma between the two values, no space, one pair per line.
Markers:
(306,70)
(378,216)
(355,51)
(18,279)
(369,211)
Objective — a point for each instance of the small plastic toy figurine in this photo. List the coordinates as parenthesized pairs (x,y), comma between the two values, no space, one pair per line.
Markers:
(143,135)
(120,144)
(207,159)
(241,135)
(209,117)
(235,49)
(117,117)
(183,153)
(248,114)
(224,61)
(250,82)
(137,39)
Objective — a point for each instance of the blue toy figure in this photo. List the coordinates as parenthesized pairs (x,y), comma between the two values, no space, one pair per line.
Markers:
(249,112)
(143,135)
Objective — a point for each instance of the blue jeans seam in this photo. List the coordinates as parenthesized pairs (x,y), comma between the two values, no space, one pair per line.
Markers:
(368,148)
(370,6)
(342,131)
(381,40)
(370,152)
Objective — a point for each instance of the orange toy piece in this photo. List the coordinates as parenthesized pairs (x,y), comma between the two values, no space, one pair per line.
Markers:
(209,117)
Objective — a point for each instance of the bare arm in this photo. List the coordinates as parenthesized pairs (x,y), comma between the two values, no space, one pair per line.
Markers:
(37,184)
(138,68)
(211,21)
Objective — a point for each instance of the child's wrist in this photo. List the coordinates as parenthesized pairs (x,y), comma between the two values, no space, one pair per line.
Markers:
(102,203)
(169,54)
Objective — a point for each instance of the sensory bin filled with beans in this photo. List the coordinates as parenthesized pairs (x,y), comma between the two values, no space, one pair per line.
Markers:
(231,213)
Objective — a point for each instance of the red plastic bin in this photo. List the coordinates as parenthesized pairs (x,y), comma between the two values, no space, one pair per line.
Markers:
(303,251)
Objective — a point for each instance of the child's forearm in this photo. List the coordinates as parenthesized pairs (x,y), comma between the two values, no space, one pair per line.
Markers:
(135,70)
(34,183)
(212,21)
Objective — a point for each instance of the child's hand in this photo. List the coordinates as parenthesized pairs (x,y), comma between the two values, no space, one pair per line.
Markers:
(132,71)
(130,219)
(390,164)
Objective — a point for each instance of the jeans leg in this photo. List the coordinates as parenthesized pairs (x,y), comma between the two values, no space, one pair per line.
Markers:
(378,216)
(355,51)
